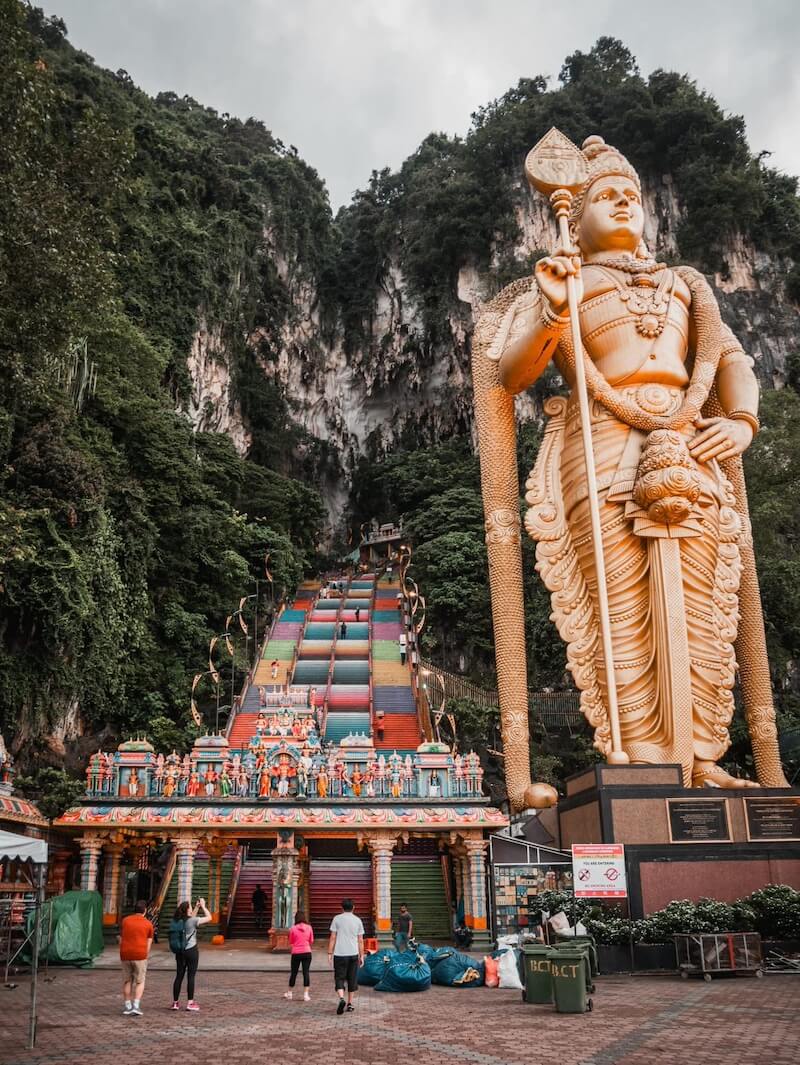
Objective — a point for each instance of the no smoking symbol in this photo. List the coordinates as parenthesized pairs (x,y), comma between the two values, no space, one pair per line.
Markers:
(612,874)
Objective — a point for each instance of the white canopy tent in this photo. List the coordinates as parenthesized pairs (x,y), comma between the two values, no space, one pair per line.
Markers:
(22,848)
(32,850)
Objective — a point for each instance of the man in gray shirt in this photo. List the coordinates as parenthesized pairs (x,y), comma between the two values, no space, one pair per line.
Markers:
(346,950)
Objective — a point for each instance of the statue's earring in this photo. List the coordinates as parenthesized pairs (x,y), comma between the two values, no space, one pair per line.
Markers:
(573,235)
(642,251)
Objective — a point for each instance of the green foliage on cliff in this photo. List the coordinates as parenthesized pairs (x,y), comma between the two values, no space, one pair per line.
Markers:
(453,201)
(125,538)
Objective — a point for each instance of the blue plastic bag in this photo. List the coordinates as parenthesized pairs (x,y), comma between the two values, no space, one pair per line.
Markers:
(450,968)
(425,951)
(375,965)
(407,972)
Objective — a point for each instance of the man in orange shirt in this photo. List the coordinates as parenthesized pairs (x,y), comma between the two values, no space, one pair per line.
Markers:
(135,941)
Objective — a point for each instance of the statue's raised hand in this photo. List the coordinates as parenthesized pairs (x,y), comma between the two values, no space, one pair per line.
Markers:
(720,438)
(551,276)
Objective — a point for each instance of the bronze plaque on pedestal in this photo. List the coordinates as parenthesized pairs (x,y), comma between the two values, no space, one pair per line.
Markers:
(699,821)
(773,819)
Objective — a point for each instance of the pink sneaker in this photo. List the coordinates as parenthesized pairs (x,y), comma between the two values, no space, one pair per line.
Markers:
(192,1007)
(175,1006)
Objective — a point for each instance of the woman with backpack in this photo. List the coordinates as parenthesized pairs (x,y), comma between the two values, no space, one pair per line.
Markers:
(183,944)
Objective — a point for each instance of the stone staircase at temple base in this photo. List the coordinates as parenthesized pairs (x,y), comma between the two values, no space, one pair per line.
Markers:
(256,868)
(418,881)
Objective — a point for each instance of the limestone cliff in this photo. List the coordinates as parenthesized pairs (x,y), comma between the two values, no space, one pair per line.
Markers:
(401,384)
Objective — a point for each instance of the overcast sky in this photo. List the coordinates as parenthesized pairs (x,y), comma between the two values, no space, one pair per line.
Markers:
(357,84)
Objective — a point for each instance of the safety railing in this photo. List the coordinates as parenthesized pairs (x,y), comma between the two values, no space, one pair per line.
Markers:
(551,709)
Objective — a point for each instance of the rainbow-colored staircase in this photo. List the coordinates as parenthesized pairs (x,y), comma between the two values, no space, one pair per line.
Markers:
(395,712)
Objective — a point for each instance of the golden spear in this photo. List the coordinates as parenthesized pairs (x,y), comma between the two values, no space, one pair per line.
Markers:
(557,168)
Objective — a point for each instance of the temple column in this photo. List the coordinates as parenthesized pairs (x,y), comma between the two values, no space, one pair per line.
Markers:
(185,850)
(295,897)
(463,879)
(111,874)
(285,876)
(215,848)
(305,897)
(458,875)
(381,848)
(91,846)
(476,859)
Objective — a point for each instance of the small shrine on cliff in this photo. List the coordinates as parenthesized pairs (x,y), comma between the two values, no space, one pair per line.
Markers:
(16,814)
(327,783)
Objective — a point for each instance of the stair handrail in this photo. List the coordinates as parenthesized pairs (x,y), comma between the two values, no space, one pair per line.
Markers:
(372,722)
(232,888)
(292,667)
(423,706)
(166,879)
(324,723)
(448,887)
(331,662)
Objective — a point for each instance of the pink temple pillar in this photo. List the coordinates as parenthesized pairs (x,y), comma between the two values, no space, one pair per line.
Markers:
(111,874)
(91,847)
(185,850)
(381,848)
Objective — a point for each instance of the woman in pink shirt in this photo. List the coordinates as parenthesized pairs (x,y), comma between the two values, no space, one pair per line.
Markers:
(301,937)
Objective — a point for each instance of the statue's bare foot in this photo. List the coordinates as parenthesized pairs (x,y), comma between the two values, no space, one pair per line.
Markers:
(711,775)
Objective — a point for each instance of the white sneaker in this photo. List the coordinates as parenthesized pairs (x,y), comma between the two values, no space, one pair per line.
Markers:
(306,997)
(127,1010)
(135,1012)
(287,994)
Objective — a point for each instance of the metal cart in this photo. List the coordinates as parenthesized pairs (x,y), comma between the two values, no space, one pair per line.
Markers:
(708,953)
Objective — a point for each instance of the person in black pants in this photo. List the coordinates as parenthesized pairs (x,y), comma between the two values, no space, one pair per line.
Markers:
(346,952)
(187,959)
(301,939)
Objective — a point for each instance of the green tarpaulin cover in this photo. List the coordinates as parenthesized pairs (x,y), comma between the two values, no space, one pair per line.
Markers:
(76,933)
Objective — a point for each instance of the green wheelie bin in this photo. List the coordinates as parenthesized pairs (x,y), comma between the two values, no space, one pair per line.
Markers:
(582,948)
(568,969)
(538,988)
(592,945)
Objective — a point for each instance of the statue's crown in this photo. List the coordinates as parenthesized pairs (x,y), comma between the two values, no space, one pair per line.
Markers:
(556,163)
(602,161)
(605,161)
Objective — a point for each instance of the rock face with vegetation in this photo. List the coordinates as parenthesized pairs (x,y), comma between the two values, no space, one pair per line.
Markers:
(200,363)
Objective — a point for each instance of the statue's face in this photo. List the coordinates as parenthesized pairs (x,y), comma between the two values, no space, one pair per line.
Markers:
(612,217)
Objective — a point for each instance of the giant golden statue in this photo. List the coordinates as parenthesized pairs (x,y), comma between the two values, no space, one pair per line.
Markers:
(668,588)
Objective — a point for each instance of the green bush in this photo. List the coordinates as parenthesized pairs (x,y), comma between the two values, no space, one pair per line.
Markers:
(777,911)
(774,911)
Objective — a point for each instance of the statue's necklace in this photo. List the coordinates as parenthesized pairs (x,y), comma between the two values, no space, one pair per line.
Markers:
(648,302)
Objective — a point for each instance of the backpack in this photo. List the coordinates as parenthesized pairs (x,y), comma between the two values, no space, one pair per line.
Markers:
(177,936)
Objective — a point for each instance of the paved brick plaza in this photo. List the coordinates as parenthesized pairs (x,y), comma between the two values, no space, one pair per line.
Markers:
(637,1021)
